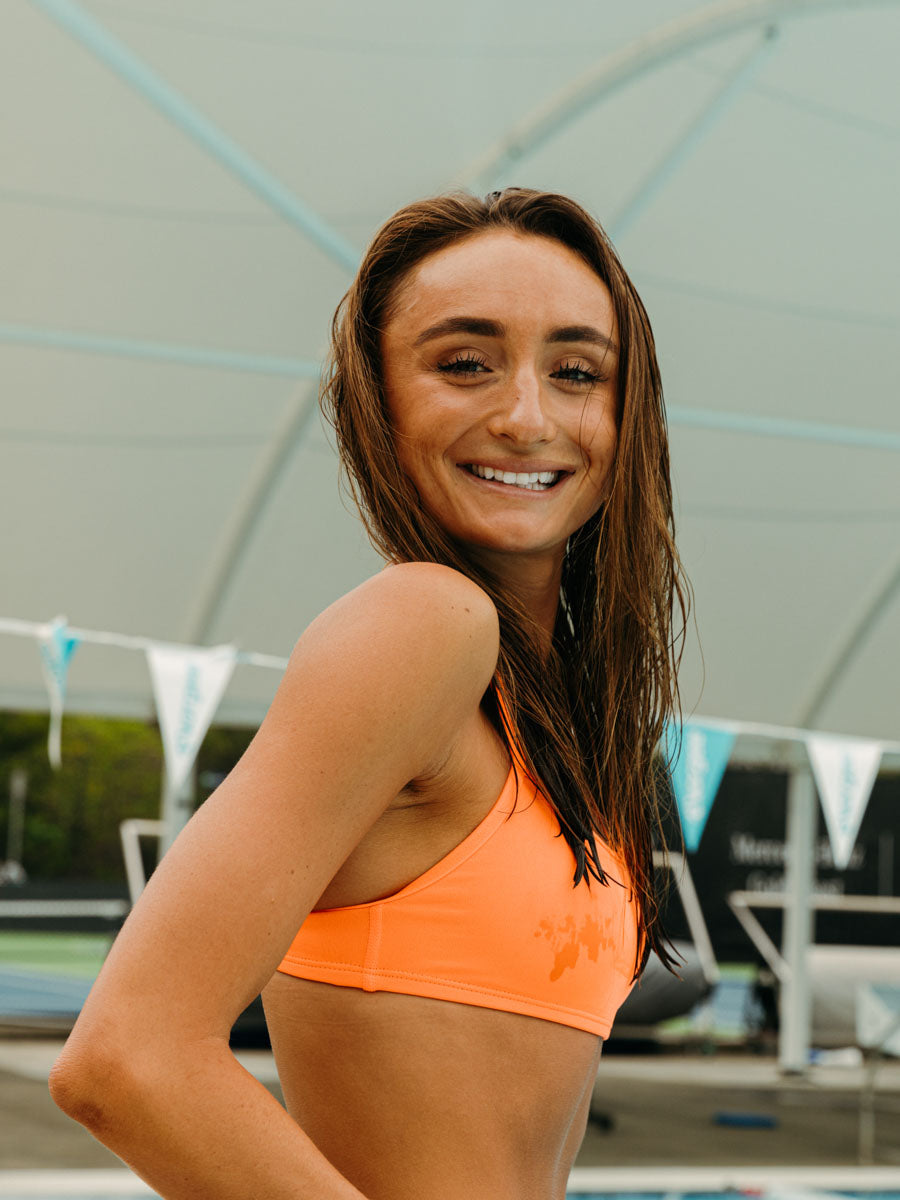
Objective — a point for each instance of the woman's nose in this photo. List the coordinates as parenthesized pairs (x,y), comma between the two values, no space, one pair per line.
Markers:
(522,413)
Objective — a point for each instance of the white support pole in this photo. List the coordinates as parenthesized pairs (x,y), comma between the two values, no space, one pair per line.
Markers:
(130,833)
(794,1036)
(15,821)
(177,808)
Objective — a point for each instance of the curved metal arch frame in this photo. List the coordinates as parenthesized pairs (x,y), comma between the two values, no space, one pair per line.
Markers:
(672,41)
(677,38)
(696,132)
(90,33)
(221,566)
(666,44)
(849,643)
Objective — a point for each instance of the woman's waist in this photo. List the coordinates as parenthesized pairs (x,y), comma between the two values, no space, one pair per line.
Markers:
(387,1083)
(446,1149)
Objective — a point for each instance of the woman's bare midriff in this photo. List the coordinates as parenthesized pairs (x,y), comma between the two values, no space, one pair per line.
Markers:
(419,1099)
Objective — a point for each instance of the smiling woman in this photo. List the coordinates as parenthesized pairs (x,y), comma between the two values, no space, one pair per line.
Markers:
(439,966)
(505,421)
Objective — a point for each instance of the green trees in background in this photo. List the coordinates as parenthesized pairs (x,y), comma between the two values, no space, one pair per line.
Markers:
(111,770)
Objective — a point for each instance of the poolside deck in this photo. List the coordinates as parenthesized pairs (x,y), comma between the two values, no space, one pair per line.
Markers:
(722,1110)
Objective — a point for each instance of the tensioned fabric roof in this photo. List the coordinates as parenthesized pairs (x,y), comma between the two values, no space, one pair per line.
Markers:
(187,184)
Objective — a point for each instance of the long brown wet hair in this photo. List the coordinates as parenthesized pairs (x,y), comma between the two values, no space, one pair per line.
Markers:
(588,720)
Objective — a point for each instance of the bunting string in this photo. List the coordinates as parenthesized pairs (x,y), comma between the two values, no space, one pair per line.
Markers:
(35,629)
(778,733)
(189,681)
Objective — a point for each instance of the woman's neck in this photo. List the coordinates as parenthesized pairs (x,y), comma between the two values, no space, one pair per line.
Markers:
(535,583)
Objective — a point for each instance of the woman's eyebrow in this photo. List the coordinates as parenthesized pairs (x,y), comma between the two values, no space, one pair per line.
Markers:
(481,326)
(583,333)
(485,327)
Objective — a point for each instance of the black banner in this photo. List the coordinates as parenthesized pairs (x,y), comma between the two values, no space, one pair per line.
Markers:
(742,849)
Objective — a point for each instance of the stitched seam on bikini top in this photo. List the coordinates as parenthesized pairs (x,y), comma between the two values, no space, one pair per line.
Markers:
(373,947)
(415,977)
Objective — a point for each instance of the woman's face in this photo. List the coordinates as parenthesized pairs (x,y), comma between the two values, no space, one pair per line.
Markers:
(499,363)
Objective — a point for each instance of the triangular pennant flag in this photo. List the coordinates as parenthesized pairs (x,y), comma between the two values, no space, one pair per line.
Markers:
(188,683)
(697,773)
(57,644)
(878,1017)
(845,770)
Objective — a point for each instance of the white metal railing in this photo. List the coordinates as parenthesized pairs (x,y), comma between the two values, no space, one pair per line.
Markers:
(130,834)
(741,903)
(690,902)
(107,910)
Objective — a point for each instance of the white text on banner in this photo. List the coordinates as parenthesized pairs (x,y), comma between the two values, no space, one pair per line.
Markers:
(845,770)
(697,773)
(188,683)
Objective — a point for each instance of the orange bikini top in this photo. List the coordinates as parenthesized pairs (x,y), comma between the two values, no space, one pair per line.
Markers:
(496,923)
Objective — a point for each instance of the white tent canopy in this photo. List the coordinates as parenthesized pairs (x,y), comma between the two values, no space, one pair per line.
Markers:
(187,184)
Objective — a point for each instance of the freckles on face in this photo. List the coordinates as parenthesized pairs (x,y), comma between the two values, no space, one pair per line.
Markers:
(499,362)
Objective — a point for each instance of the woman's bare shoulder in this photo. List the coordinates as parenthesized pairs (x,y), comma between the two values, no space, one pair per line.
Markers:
(426,582)
(410,611)
(376,691)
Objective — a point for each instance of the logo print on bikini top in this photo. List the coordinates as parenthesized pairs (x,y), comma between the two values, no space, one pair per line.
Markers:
(567,941)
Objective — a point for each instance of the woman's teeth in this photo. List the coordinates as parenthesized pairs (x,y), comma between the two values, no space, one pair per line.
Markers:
(534,481)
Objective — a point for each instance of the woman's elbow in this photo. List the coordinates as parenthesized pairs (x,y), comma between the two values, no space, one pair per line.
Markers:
(68,1092)
(88,1084)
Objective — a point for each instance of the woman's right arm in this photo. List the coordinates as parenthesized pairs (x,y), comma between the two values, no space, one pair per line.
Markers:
(377,690)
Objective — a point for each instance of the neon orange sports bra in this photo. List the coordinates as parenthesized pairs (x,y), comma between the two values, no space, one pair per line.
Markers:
(496,923)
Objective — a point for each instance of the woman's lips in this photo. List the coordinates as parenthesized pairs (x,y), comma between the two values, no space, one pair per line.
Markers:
(532,481)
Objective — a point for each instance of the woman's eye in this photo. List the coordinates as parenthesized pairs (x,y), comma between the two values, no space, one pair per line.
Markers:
(575,372)
(463,364)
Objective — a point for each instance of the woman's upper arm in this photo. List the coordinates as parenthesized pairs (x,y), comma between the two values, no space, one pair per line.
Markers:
(375,692)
